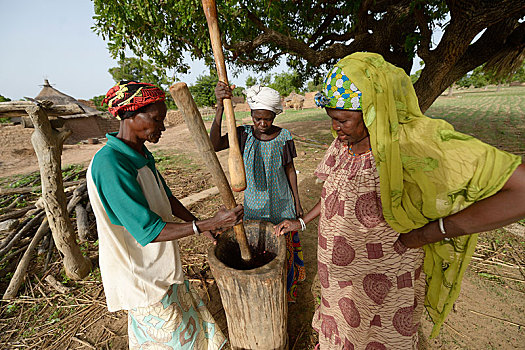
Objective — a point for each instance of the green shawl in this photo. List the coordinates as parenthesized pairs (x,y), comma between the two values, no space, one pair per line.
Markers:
(426,171)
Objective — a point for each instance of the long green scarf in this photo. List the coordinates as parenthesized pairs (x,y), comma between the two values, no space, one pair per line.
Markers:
(426,171)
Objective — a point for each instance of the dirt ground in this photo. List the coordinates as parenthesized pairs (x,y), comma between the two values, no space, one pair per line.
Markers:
(488,314)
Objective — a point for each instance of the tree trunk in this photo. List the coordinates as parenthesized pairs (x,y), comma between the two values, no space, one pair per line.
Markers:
(18,109)
(450,90)
(48,145)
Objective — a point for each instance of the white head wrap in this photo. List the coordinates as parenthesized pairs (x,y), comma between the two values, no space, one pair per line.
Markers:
(262,97)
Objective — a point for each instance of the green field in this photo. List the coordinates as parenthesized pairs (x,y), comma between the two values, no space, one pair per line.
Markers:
(497,118)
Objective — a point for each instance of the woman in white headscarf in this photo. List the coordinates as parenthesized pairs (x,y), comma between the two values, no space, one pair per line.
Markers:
(268,151)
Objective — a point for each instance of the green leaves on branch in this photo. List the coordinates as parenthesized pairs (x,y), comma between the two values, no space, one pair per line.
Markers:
(137,69)
(145,71)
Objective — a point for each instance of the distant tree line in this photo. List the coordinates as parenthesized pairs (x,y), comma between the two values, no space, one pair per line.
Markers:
(481,77)
(203,90)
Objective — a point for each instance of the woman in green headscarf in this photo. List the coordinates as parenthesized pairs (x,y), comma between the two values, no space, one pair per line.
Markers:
(402,197)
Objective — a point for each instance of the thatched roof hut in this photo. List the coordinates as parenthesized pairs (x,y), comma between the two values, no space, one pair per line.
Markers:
(90,124)
(59,98)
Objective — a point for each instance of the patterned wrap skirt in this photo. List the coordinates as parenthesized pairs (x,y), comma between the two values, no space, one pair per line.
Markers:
(179,321)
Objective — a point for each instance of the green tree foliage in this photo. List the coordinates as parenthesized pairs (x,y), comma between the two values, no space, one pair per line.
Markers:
(137,69)
(203,91)
(4,99)
(464,81)
(250,81)
(238,91)
(266,80)
(519,75)
(481,77)
(414,77)
(97,100)
(314,34)
(146,71)
(314,85)
(285,83)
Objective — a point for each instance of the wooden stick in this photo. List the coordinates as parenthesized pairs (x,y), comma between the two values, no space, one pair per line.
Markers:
(83,342)
(235,161)
(497,318)
(20,190)
(12,205)
(16,213)
(182,97)
(59,287)
(82,222)
(24,230)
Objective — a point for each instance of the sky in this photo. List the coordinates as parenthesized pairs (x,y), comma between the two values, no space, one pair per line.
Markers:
(52,39)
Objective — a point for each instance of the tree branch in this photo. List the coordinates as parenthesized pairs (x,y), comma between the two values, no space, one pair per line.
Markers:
(439,77)
(423,23)
(362,17)
(326,22)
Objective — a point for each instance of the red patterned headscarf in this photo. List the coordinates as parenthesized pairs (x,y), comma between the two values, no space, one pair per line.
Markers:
(128,96)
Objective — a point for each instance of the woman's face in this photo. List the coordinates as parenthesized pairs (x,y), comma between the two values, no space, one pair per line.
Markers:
(149,124)
(349,125)
(262,120)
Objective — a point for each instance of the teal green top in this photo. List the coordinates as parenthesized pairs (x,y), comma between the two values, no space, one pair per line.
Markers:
(114,171)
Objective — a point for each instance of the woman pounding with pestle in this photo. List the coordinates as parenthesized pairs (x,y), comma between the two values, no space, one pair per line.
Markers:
(139,254)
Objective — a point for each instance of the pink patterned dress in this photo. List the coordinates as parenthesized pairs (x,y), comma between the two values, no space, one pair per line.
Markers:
(372,287)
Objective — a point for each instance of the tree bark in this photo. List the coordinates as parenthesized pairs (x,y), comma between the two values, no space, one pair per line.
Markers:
(48,145)
(455,56)
(82,223)
(18,109)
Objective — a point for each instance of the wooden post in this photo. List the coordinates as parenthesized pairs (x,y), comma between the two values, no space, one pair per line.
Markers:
(182,97)
(18,109)
(48,144)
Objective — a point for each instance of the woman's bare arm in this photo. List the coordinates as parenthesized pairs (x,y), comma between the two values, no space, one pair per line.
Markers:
(180,211)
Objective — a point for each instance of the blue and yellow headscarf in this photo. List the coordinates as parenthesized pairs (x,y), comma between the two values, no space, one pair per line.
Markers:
(339,92)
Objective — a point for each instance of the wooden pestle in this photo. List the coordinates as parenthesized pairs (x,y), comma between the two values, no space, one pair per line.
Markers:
(182,97)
